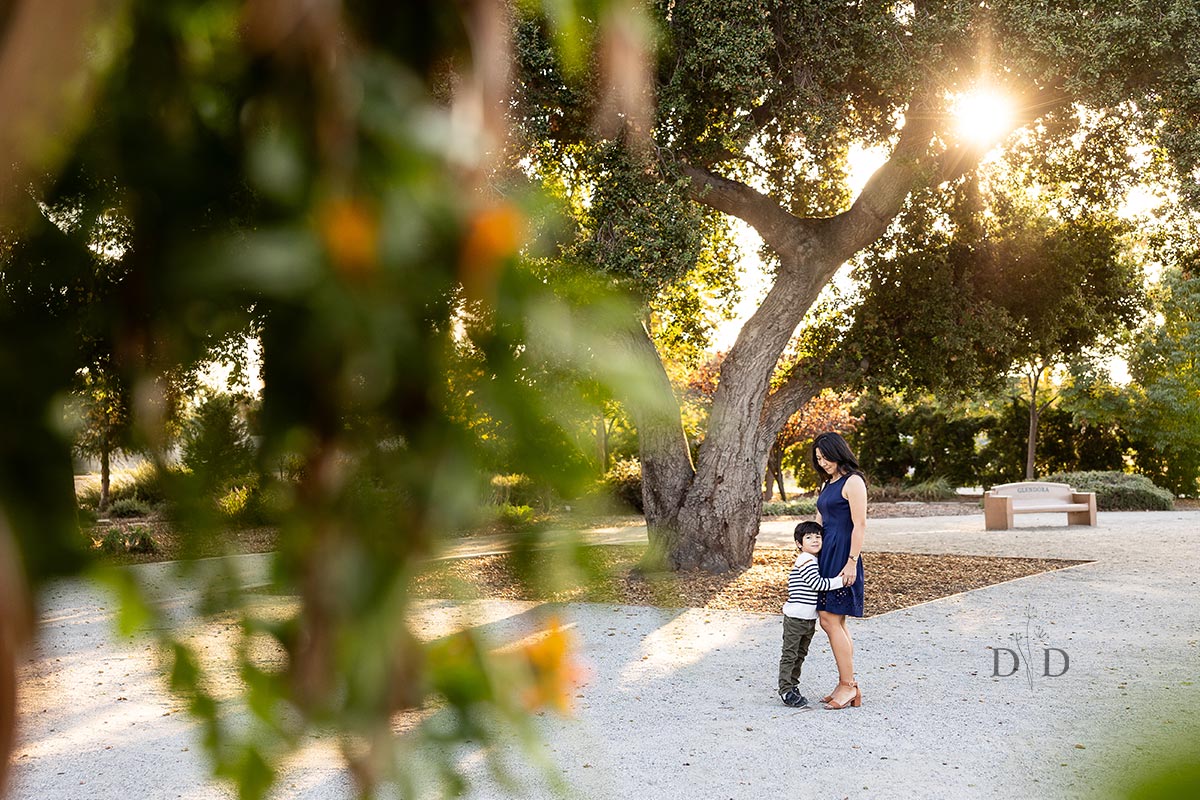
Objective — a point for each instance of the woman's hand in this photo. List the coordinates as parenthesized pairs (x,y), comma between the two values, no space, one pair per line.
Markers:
(849,573)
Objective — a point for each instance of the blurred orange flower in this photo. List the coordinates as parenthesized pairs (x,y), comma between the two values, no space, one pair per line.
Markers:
(350,232)
(555,674)
(494,235)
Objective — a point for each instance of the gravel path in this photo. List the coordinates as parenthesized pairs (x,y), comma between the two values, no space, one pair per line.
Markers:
(680,703)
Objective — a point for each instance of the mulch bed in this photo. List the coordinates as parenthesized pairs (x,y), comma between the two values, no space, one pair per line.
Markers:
(607,575)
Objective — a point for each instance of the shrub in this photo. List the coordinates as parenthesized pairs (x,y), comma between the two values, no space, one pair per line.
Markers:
(135,540)
(792,508)
(146,483)
(929,491)
(111,541)
(624,482)
(216,443)
(139,540)
(515,517)
(129,507)
(248,504)
(517,490)
(1117,491)
(885,492)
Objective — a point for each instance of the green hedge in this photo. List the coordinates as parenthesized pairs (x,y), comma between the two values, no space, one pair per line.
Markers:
(519,490)
(1117,491)
(928,491)
(624,482)
(804,507)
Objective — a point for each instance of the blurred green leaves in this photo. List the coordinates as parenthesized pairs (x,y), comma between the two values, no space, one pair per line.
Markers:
(323,182)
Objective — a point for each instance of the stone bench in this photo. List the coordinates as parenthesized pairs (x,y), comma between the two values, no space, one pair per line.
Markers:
(1035,497)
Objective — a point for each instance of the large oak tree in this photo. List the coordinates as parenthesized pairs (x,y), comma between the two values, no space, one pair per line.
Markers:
(753,111)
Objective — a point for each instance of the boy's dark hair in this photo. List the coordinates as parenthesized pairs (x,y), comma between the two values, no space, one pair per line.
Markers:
(808,527)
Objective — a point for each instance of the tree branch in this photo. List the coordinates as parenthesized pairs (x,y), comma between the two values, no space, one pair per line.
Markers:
(886,190)
(778,228)
(806,380)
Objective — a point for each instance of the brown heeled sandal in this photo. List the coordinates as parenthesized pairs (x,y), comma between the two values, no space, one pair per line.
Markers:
(829,696)
(855,700)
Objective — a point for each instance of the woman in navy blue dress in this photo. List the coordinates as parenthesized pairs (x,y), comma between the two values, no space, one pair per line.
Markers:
(842,510)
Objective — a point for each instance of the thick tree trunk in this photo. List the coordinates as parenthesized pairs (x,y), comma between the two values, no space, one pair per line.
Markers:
(720,519)
(715,526)
(667,469)
(718,522)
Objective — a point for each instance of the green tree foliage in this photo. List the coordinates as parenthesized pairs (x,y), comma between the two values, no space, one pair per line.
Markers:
(1167,382)
(956,300)
(983,441)
(325,180)
(216,442)
(753,109)
(917,440)
(102,406)
(1003,457)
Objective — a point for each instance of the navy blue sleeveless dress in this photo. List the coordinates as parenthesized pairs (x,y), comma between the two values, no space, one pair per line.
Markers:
(835,551)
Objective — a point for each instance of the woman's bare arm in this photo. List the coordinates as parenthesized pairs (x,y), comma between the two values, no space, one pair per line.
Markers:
(855,492)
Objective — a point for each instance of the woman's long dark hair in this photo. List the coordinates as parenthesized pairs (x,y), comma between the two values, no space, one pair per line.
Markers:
(835,449)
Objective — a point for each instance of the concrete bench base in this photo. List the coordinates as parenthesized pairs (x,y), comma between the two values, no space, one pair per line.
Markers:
(1033,497)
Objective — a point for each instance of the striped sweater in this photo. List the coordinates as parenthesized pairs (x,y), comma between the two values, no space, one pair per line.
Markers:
(804,581)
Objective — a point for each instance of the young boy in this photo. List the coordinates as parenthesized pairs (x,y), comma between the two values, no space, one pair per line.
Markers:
(800,610)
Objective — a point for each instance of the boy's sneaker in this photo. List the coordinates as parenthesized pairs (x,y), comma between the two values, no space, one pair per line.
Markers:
(793,698)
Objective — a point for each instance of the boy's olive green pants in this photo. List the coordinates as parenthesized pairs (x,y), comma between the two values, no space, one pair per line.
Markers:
(797,633)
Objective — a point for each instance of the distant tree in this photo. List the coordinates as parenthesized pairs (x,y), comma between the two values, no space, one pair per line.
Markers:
(957,297)
(1066,286)
(216,442)
(106,425)
(943,441)
(1165,365)
(828,411)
